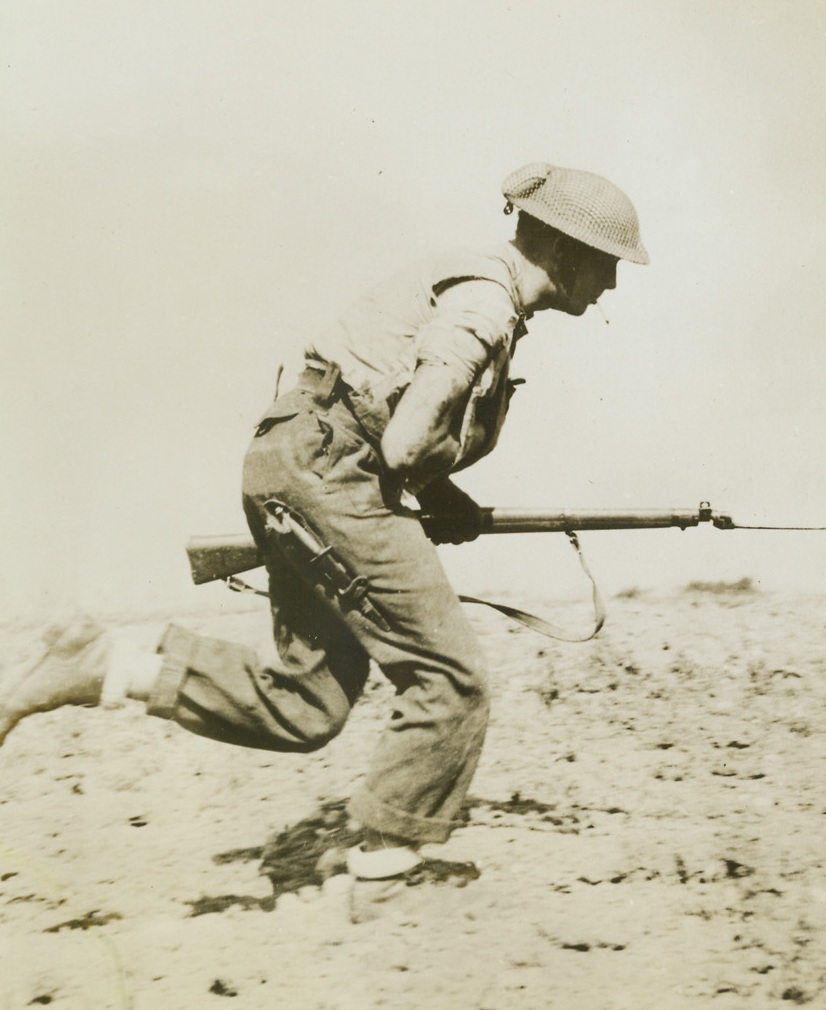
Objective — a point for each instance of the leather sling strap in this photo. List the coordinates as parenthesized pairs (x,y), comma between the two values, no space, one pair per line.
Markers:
(544,627)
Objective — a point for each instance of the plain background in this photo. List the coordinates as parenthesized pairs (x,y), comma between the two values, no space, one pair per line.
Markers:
(191,188)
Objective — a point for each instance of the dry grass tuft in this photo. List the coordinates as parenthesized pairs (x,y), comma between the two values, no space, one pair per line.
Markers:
(744,585)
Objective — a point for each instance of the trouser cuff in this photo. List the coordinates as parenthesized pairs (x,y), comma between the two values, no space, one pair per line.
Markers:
(177,647)
(373,813)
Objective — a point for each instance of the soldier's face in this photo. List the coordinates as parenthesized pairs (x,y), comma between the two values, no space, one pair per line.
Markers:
(588,275)
(577,275)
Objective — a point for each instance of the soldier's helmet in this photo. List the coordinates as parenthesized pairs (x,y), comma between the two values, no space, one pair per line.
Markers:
(583,205)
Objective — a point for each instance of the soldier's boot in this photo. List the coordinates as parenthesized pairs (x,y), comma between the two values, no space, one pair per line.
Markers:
(397,880)
(379,879)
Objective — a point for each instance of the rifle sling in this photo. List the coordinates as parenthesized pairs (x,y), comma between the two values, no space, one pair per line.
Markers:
(544,627)
(531,621)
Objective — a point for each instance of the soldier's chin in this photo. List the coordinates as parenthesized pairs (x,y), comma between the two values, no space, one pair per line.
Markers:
(578,308)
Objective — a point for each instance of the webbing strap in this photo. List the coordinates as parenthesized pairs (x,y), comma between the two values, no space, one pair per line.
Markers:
(239,586)
(544,627)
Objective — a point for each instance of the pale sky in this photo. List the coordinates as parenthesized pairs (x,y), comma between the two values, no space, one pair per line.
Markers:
(190,188)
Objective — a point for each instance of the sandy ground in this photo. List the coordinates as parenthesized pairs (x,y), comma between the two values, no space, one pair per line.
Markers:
(649,819)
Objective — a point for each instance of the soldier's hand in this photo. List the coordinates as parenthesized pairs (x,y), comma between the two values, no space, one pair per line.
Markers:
(449,516)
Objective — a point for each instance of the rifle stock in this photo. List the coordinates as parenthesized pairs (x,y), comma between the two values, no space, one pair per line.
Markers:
(220,557)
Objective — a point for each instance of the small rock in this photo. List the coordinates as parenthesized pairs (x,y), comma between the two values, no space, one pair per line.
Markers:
(222,988)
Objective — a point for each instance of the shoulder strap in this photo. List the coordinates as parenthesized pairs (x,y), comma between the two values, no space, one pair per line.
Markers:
(463,265)
(447,283)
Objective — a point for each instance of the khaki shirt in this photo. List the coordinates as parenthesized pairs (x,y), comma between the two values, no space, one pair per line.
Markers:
(423,315)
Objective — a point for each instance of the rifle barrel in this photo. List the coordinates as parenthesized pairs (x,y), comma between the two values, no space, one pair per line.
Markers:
(503,520)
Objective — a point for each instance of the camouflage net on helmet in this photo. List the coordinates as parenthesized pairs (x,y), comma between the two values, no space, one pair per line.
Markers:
(583,205)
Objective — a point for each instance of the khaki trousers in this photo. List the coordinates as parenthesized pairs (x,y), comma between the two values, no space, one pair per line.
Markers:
(315,458)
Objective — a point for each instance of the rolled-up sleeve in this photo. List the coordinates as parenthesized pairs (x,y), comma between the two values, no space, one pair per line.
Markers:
(473,320)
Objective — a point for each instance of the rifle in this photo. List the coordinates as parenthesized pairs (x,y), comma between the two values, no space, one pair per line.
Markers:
(225,557)
(222,557)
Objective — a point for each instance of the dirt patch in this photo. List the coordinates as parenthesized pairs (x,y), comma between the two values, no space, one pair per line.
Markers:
(646,830)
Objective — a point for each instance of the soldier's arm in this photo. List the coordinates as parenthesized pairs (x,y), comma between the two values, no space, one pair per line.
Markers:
(424,435)
(423,438)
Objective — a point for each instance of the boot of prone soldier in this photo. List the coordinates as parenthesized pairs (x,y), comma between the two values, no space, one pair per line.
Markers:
(79,663)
